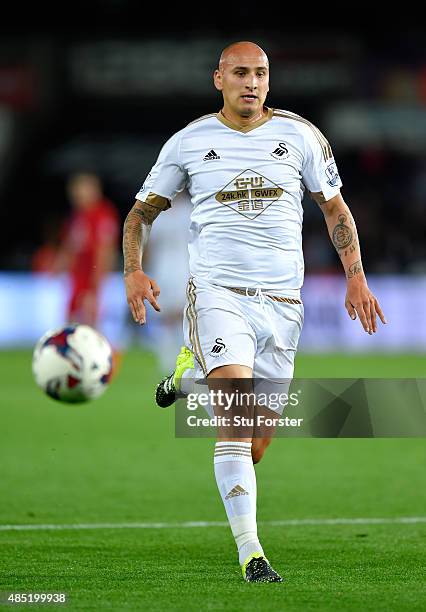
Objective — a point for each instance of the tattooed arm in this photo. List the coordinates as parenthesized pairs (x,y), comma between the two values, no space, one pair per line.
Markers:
(136,232)
(343,234)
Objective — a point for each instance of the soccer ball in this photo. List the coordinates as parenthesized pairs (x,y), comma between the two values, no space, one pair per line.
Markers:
(72,363)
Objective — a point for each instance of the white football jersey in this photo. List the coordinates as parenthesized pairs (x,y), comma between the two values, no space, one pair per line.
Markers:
(246,187)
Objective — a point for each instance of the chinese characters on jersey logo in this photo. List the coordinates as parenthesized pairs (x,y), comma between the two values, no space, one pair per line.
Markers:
(249,194)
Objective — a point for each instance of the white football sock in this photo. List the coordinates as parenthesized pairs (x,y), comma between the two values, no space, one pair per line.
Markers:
(236,481)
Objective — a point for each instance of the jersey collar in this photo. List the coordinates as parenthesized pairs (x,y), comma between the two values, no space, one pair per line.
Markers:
(247,128)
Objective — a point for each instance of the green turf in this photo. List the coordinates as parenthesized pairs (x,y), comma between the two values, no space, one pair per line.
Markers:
(116,460)
(375,365)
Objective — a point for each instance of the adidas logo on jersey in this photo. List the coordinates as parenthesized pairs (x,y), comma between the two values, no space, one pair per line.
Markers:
(211,155)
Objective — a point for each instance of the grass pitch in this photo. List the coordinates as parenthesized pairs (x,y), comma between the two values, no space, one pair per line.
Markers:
(116,461)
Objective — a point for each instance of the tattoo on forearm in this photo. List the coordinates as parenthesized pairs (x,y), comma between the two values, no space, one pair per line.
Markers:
(342,234)
(352,247)
(137,227)
(147,212)
(355,268)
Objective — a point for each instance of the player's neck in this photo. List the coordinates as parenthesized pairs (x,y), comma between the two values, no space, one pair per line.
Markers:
(239,121)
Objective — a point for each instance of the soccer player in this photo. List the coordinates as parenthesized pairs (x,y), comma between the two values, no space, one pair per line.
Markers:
(89,247)
(246,169)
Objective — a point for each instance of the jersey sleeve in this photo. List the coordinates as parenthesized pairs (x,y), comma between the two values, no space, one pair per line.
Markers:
(167,177)
(319,171)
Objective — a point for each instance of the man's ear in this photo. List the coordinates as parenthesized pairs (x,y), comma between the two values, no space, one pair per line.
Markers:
(217,79)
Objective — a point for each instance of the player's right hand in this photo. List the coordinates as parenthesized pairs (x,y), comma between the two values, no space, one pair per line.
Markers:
(140,287)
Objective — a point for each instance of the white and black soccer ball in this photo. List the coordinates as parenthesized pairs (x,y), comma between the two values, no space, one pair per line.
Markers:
(73,363)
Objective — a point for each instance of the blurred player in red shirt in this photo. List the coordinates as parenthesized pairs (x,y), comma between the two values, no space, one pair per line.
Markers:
(89,248)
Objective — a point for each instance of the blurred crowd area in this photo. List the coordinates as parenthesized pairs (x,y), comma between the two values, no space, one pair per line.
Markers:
(104,102)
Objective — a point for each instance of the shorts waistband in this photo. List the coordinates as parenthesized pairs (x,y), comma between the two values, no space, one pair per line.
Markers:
(249,291)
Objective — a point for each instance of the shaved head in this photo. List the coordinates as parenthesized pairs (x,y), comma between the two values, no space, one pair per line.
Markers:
(243,79)
(240,52)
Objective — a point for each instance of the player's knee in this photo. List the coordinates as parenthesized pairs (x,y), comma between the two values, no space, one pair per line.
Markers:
(258,448)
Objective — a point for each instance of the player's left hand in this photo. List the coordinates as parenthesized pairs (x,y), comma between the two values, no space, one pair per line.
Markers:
(360,301)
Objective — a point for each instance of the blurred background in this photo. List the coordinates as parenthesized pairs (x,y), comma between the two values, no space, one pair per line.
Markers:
(99,94)
(88,94)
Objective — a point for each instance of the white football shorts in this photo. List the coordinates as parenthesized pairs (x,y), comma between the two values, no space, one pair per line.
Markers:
(222,327)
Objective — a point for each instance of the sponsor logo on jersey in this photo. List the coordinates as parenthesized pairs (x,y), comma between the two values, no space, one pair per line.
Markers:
(332,174)
(249,194)
(281,152)
(211,155)
(218,348)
